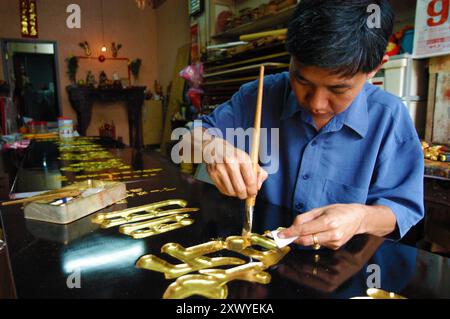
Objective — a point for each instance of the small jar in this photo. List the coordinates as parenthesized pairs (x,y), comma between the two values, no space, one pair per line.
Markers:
(38,127)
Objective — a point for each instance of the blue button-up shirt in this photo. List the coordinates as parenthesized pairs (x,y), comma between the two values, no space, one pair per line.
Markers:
(368,154)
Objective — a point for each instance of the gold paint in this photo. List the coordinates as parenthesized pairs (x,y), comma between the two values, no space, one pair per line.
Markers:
(187,254)
(134,214)
(193,259)
(141,217)
(316,258)
(211,283)
(268,233)
(156,226)
(381,294)
(170,271)
(253,272)
(248,222)
(196,285)
(93,166)
(86,156)
(270,257)
(151,170)
(165,189)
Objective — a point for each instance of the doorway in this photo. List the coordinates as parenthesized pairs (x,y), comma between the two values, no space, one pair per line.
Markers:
(31,70)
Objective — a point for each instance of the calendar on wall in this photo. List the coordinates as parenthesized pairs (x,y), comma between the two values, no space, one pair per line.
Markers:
(432,29)
(195,7)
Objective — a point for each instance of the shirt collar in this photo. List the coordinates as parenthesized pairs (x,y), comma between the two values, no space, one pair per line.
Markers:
(290,106)
(356,115)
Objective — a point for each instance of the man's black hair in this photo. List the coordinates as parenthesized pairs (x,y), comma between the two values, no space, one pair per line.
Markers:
(335,35)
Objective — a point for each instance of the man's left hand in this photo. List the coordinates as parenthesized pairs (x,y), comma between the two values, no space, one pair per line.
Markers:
(332,225)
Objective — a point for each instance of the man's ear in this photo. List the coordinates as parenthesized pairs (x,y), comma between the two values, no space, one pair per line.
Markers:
(385,60)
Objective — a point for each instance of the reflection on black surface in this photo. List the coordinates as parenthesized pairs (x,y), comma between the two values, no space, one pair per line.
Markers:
(39,170)
(341,274)
(305,273)
(138,162)
(42,155)
(42,255)
(102,254)
(44,168)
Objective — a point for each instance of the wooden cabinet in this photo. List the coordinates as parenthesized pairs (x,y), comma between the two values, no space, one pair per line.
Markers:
(152,122)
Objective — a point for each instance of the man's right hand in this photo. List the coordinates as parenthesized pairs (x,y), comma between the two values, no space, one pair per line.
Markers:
(231,169)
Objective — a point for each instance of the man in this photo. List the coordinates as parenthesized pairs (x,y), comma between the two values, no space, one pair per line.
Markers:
(350,158)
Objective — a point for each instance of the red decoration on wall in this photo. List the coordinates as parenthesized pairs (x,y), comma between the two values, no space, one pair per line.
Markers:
(28,18)
(195,48)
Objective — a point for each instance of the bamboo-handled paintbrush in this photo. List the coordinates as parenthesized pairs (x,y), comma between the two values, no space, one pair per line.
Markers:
(254,154)
(45,197)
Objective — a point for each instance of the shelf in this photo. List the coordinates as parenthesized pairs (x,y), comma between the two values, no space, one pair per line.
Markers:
(261,24)
(270,48)
(231,81)
(245,77)
(268,65)
(258,59)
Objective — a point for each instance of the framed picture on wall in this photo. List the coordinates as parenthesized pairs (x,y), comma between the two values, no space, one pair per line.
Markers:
(196,7)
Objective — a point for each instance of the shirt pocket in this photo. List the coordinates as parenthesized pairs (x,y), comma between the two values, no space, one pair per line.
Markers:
(338,193)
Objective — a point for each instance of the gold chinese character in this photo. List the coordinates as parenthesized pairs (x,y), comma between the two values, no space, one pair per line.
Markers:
(211,283)
(193,259)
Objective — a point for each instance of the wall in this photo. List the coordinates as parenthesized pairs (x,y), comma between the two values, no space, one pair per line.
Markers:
(405,13)
(172,23)
(243,4)
(124,23)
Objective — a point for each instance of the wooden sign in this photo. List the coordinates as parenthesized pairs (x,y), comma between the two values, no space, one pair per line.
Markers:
(28,18)
(195,47)
(432,29)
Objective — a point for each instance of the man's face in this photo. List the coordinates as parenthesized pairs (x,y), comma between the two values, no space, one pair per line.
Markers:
(322,93)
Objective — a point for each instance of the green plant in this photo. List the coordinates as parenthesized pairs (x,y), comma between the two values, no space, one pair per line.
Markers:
(72,68)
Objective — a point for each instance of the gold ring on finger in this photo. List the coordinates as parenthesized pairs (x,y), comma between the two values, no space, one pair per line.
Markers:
(316,245)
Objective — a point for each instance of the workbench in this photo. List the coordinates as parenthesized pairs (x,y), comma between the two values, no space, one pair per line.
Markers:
(43,257)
